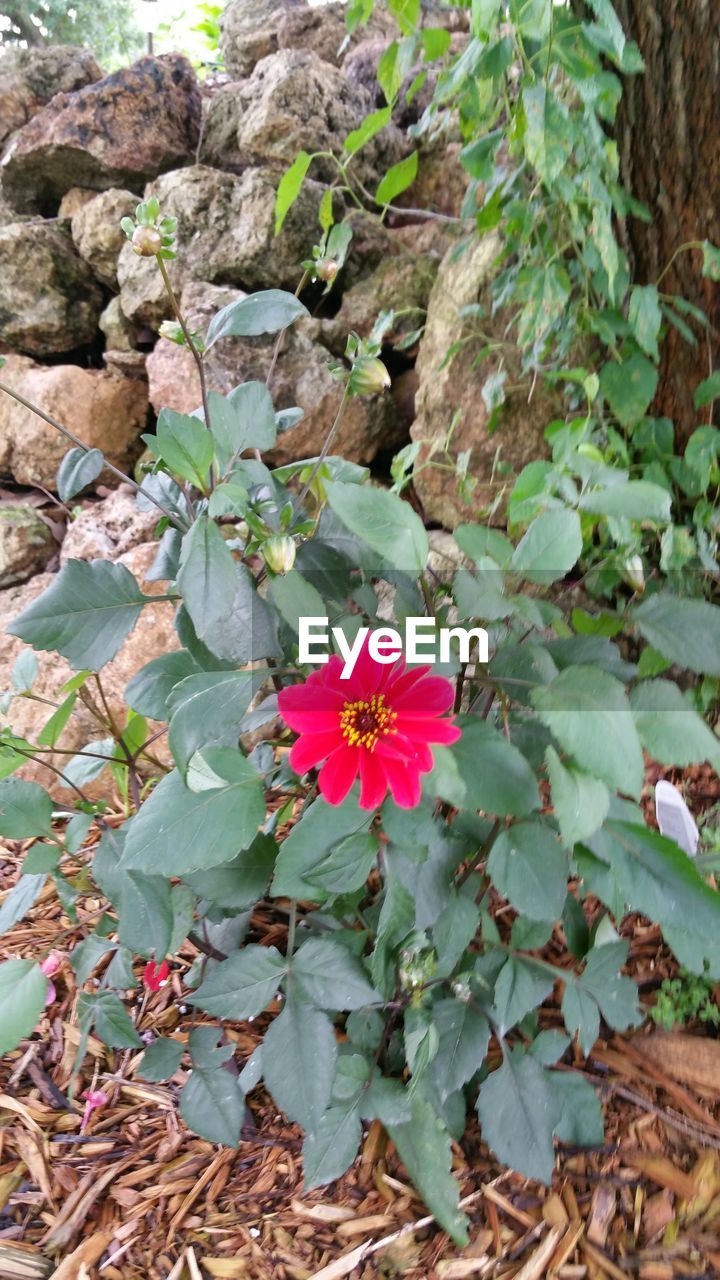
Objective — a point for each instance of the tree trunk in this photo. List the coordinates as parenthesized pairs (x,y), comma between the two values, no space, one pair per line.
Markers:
(668,133)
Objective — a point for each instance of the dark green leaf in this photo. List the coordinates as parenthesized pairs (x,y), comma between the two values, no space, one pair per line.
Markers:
(289,188)
(529,867)
(589,714)
(580,801)
(629,387)
(242,881)
(23,990)
(670,730)
(266,312)
(25,810)
(423,1145)
(496,777)
(331,977)
(299,1053)
(384,521)
(550,547)
(107,1014)
(330,1150)
(161,1059)
(77,470)
(518,1115)
(684,631)
(243,985)
(148,691)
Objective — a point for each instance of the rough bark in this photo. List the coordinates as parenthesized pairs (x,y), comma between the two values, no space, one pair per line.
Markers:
(669,139)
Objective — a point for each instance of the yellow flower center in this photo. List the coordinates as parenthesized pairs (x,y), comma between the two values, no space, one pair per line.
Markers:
(363,722)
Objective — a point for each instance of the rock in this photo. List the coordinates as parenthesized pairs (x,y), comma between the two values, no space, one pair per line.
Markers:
(452,392)
(73,201)
(26,543)
(29,78)
(49,301)
(105,410)
(97,232)
(106,530)
(441,183)
(152,636)
(226,235)
(302,377)
(120,334)
(401,282)
(249,32)
(292,102)
(120,132)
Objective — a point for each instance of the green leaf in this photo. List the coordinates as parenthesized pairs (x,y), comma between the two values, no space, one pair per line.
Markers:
(670,730)
(579,1113)
(208,708)
(547,131)
(179,830)
(521,986)
(77,470)
(185,446)
(20,899)
(383,521)
(588,713)
(330,1150)
(684,631)
(601,989)
(44,857)
(148,691)
(295,598)
(645,316)
(85,615)
(371,125)
(397,179)
(212,1103)
(632,499)
(161,1059)
(106,1013)
(242,881)
(464,1035)
(478,157)
(496,776)
(299,1053)
(321,830)
(657,878)
(580,802)
(207,577)
(331,977)
(629,387)
(517,1116)
(711,261)
(25,810)
(423,1145)
(289,188)
(245,419)
(267,311)
(707,390)
(23,991)
(550,546)
(52,729)
(86,956)
(243,985)
(478,541)
(529,867)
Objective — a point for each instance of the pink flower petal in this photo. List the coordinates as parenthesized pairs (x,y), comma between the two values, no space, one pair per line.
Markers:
(373,779)
(420,729)
(431,696)
(311,748)
(368,675)
(338,774)
(404,780)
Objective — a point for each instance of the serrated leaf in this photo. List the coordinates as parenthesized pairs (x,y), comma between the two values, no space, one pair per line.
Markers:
(629,387)
(549,548)
(632,499)
(423,1145)
(148,691)
(600,989)
(517,1116)
(323,844)
(23,990)
(496,776)
(529,867)
(644,314)
(580,801)
(464,1034)
(242,881)
(521,986)
(589,714)
(212,1103)
(20,899)
(161,1059)
(684,631)
(106,1013)
(299,1053)
(243,985)
(178,830)
(25,810)
(383,521)
(185,446)
(331,1149)
(670,730)
(85,615)
(331,977)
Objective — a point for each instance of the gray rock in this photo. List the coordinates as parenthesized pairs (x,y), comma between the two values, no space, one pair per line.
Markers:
(106,530)
(29,78)
(450,391)
(120,132)
(249,32)
(292,102)
(26,543)
(401,282)
(49,301)
(120,334)
(97,232)
(226,235)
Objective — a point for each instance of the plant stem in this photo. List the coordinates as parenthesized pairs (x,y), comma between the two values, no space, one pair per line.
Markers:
(196,355)
(80,444)
(324,451)
(292,923)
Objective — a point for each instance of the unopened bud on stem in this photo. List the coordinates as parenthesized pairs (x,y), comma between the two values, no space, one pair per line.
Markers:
(368,377)
(146,241)
(279,553)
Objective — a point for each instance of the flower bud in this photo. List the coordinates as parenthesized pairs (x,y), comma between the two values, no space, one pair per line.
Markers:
(368,377)
(146,241)
(633,573)
(172,331)
(279,553)
(327,269)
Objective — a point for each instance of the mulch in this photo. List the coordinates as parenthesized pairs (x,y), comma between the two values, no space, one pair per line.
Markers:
(138,1197)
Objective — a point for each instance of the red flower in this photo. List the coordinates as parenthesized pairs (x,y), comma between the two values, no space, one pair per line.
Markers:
(379,722)
(156,975)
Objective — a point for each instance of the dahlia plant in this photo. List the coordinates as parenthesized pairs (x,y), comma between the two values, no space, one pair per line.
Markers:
(384,816)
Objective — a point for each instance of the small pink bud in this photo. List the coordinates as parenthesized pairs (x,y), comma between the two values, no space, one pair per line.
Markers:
(52,962)
(155,975)
(327,269)
(94,1098)
(146,241)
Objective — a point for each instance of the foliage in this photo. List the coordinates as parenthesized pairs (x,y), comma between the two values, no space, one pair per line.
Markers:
(108,27)
(683,999)
(394,944)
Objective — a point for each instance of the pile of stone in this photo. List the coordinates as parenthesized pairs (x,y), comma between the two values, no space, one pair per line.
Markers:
(80,312)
